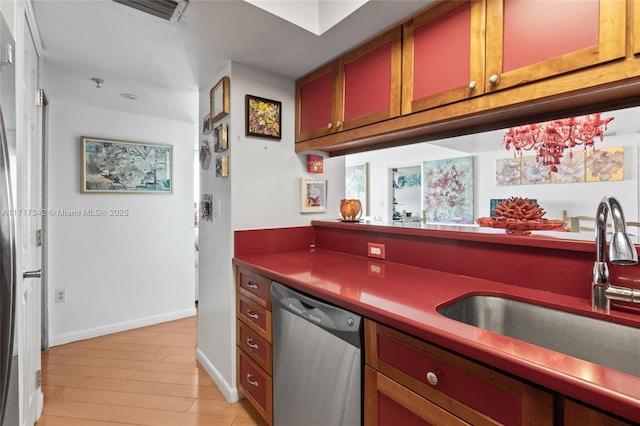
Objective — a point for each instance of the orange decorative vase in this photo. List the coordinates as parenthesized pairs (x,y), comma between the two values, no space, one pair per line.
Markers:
(350,210)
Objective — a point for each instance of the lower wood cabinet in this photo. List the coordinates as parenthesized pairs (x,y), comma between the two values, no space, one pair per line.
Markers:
(253,341)
(577,414)
(409,378)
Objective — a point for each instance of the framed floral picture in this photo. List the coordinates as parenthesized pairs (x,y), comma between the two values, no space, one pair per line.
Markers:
(263,117)
(448,190)
(111,165)
(313,195)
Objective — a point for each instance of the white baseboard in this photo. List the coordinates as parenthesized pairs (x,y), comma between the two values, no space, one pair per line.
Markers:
(229,392)
(121,326)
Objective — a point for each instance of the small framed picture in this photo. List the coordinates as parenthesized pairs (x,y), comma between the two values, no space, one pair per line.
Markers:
(220,138)
(313,195)
(222,166)
(205,155)
(263,117)
(206,124)
(220,99)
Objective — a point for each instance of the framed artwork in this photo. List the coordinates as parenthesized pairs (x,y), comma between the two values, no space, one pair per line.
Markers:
(205,155)
(222,166)
(263,117)
(313,195)
(448,190)
(220,138)
(219,97)
(356,184)
(111,165)
(206,124)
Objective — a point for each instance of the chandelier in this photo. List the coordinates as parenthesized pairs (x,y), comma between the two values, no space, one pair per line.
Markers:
(549,140)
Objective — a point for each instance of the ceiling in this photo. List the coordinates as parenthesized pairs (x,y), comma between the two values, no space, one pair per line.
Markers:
(166,63)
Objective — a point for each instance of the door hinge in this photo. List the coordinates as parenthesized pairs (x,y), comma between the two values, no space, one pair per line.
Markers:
(39,97)
(39,238)
(38,378)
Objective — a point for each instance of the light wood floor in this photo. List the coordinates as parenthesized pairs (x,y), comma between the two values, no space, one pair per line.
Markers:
(147,376)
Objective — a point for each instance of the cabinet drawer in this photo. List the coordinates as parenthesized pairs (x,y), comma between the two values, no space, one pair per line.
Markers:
(257,317)
(477,394)
(256,385)
(255,286)
(388,403)
(254,346)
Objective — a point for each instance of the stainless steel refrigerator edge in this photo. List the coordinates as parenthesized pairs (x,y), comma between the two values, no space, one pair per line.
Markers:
(8,361)
(317,361)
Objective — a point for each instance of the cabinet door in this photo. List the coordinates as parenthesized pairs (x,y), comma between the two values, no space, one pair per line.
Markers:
(576,414)
(388,403)
(369,80)
(636,27)
(532,40)
(315,103)
(443,55)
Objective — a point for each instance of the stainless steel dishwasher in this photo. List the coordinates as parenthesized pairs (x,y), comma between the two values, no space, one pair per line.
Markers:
(317,361)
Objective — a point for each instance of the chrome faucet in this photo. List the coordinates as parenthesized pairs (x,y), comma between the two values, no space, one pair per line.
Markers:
(621,252)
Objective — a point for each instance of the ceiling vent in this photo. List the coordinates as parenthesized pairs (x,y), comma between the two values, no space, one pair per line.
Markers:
(170,10)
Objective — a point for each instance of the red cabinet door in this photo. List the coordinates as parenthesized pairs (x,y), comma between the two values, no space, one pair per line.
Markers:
(315,103)
(443,55)
(636,28)
(532,40)
(369,79)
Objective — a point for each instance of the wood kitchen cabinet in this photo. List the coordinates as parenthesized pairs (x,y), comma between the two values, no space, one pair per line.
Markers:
(443,55)
(529,40)
(359,88)
(577,414)
(636,27)
(409,379)
(253,341)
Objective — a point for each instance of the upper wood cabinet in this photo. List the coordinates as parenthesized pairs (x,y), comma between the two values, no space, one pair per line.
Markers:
(530,40)
(359,88)
(636,27)
(443,55)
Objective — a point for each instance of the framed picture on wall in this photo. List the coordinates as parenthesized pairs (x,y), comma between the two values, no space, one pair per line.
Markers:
(220,138)
(219,97)
(263,117)
(313,195)
(112,165)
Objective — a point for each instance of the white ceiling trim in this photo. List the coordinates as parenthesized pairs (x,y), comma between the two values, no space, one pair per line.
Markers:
(315,16)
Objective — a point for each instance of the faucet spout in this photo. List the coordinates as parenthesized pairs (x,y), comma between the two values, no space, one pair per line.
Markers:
(621,252)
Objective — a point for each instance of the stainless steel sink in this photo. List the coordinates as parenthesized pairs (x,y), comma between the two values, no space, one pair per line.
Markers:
(601,342)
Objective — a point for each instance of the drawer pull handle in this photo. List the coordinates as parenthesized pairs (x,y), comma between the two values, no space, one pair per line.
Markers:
(252,285)
(432,378)
(251,344)
(252,314)
(252,382)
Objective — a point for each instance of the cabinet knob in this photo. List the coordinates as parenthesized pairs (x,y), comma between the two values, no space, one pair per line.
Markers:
(339,124)
(329,126)
(493,79)
(472,85)
(252,382)
(432,378)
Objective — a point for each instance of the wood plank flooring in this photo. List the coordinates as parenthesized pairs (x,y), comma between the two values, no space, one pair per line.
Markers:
(148,376)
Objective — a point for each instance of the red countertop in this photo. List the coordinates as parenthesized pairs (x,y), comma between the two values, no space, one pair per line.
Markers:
(406,297)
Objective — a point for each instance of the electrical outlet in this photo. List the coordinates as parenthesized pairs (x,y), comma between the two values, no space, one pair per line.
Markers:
(61,295)
(375,250)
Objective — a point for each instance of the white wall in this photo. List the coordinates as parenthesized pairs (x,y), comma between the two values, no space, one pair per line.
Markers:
(261,192)
(579,199)
(118,272)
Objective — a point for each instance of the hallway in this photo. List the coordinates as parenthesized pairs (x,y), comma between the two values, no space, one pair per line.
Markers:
(146,376)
